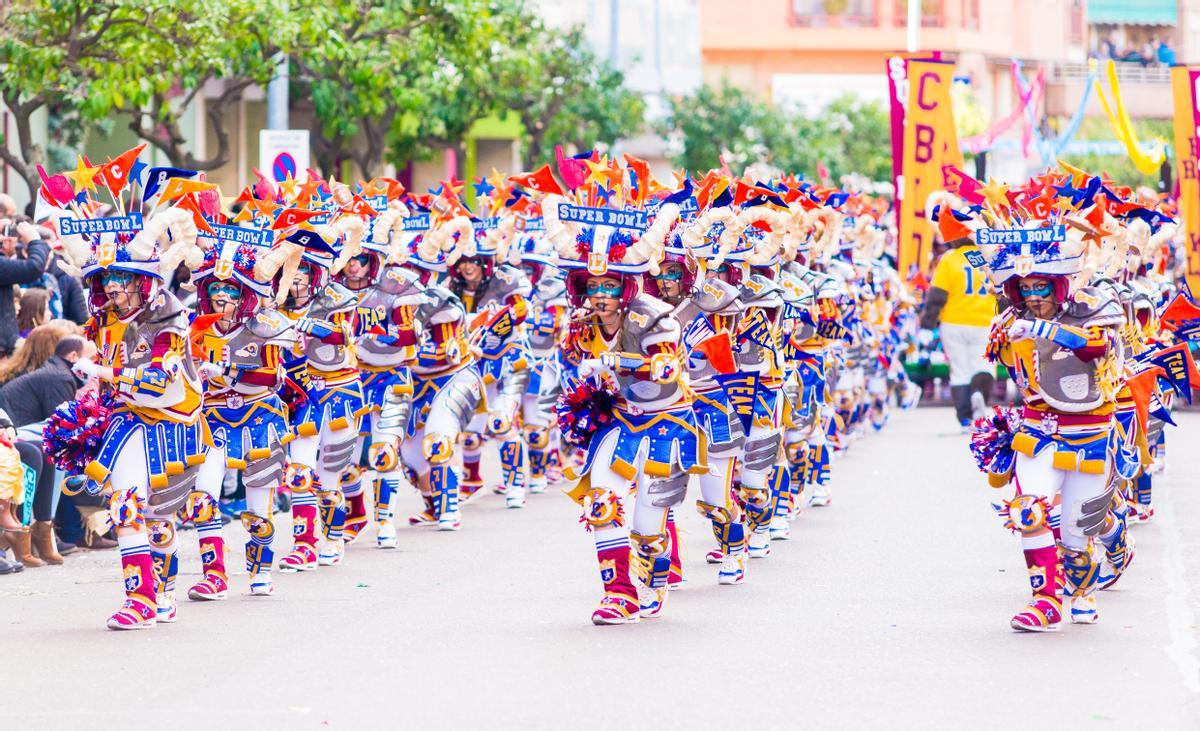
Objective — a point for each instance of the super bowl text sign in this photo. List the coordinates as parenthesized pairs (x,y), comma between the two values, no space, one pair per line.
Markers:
(1184,83)
(930,149)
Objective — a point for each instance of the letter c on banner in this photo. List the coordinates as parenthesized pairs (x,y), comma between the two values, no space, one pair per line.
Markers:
(921,92)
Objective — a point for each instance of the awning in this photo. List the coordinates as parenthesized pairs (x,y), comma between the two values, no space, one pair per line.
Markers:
(1125,12)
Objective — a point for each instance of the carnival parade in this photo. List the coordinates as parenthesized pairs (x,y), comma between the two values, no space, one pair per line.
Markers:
(361,437)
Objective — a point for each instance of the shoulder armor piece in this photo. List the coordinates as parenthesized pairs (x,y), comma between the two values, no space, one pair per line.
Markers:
(713,296)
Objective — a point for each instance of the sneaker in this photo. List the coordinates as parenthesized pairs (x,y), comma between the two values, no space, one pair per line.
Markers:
(468,492)
(616,609)
(133,614)
(212,588)
(424,518)
(781,528)
(261,585)
(450,521)
(715,556)
(1040,615)
(758,544)
(385,536)
(651,601)
(514,498)
(1083,610)
(232,508)
(302,558)
(820,496)
(978,406)
(331,553)
(168,610)
(733,569)
(537,485)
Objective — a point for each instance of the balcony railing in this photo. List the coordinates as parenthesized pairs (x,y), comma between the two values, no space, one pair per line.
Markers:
(1132,73)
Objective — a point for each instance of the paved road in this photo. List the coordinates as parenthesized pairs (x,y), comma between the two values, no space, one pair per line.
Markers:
(890,606)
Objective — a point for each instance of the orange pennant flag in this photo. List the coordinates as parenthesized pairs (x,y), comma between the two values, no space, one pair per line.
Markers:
(115,173)
(1141,386)
(950,227)
(179,187)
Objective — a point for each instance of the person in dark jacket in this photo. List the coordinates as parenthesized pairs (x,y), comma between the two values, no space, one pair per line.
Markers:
(73,299)
(14,271)
(32,397)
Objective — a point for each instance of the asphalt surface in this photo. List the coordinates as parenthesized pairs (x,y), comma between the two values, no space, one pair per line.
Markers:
(891,606)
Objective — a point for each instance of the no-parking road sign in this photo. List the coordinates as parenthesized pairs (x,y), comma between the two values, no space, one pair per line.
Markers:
(283,153)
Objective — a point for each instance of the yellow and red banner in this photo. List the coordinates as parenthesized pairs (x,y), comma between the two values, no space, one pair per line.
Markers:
(1184,81)
(927,155)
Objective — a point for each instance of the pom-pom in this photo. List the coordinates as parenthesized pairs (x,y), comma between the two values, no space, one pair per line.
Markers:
(72,435)
(585,410)
(991,440)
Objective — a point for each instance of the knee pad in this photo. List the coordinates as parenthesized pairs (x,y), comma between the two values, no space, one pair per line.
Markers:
(382,456)
(198,508)
(650,545)
(127,509)
(471,442)
(602,508)
(754,499)
(301,478)
(1026,514)
(667,492)
(352,473)
(439,448)
(498,423)
(537,437)
(261,529)
(796,452)
(718,514)
(160,534)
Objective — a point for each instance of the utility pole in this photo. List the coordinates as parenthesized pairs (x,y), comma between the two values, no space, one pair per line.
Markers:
(914,25)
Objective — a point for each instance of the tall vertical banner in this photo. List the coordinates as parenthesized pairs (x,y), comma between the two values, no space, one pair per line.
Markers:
(929,148)
(1184,82)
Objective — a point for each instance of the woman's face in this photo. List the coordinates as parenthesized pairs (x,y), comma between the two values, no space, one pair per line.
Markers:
(670,280)
(301,289)
(1038,294)
(123,290)
(470,271)
(225,298)
(604,294)
(358,272)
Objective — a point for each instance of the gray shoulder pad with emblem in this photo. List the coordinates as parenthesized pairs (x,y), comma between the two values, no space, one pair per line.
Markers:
(758,291)
(272,328)
(332,299)
(167,314)
(650,321)
(1092,306)
(716,297)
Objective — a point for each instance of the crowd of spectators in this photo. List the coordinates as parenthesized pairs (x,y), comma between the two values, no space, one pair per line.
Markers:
(1156,51)
(42,311)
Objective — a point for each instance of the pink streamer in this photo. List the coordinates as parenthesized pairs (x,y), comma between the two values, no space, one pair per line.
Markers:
(981,142)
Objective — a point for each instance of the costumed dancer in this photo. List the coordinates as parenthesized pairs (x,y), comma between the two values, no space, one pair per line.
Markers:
(1060,341)
(387,336)
(496,296)
(631,409)
(326,425)
(240,340)
(547,326)
(154,437)
(447,388)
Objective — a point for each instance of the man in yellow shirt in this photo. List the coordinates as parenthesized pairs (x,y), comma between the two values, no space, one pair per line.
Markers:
(960,298)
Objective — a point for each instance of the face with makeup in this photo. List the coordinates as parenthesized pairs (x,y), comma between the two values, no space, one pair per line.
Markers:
(1039,296)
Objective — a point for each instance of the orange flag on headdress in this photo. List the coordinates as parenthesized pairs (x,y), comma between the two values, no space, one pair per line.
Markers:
(541,180)
(115,173)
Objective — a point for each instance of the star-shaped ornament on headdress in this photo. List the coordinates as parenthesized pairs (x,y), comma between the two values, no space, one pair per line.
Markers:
(482,188)
(372,188)
(81,176)
(995,193)
(288,187)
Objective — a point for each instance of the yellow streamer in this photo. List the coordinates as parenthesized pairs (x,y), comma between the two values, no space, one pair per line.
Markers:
(1147,164)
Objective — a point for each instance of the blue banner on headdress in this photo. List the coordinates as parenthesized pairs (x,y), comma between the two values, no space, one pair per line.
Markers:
(612,217)
(240,234)
(1010,236)
(129,224)
(419,222)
